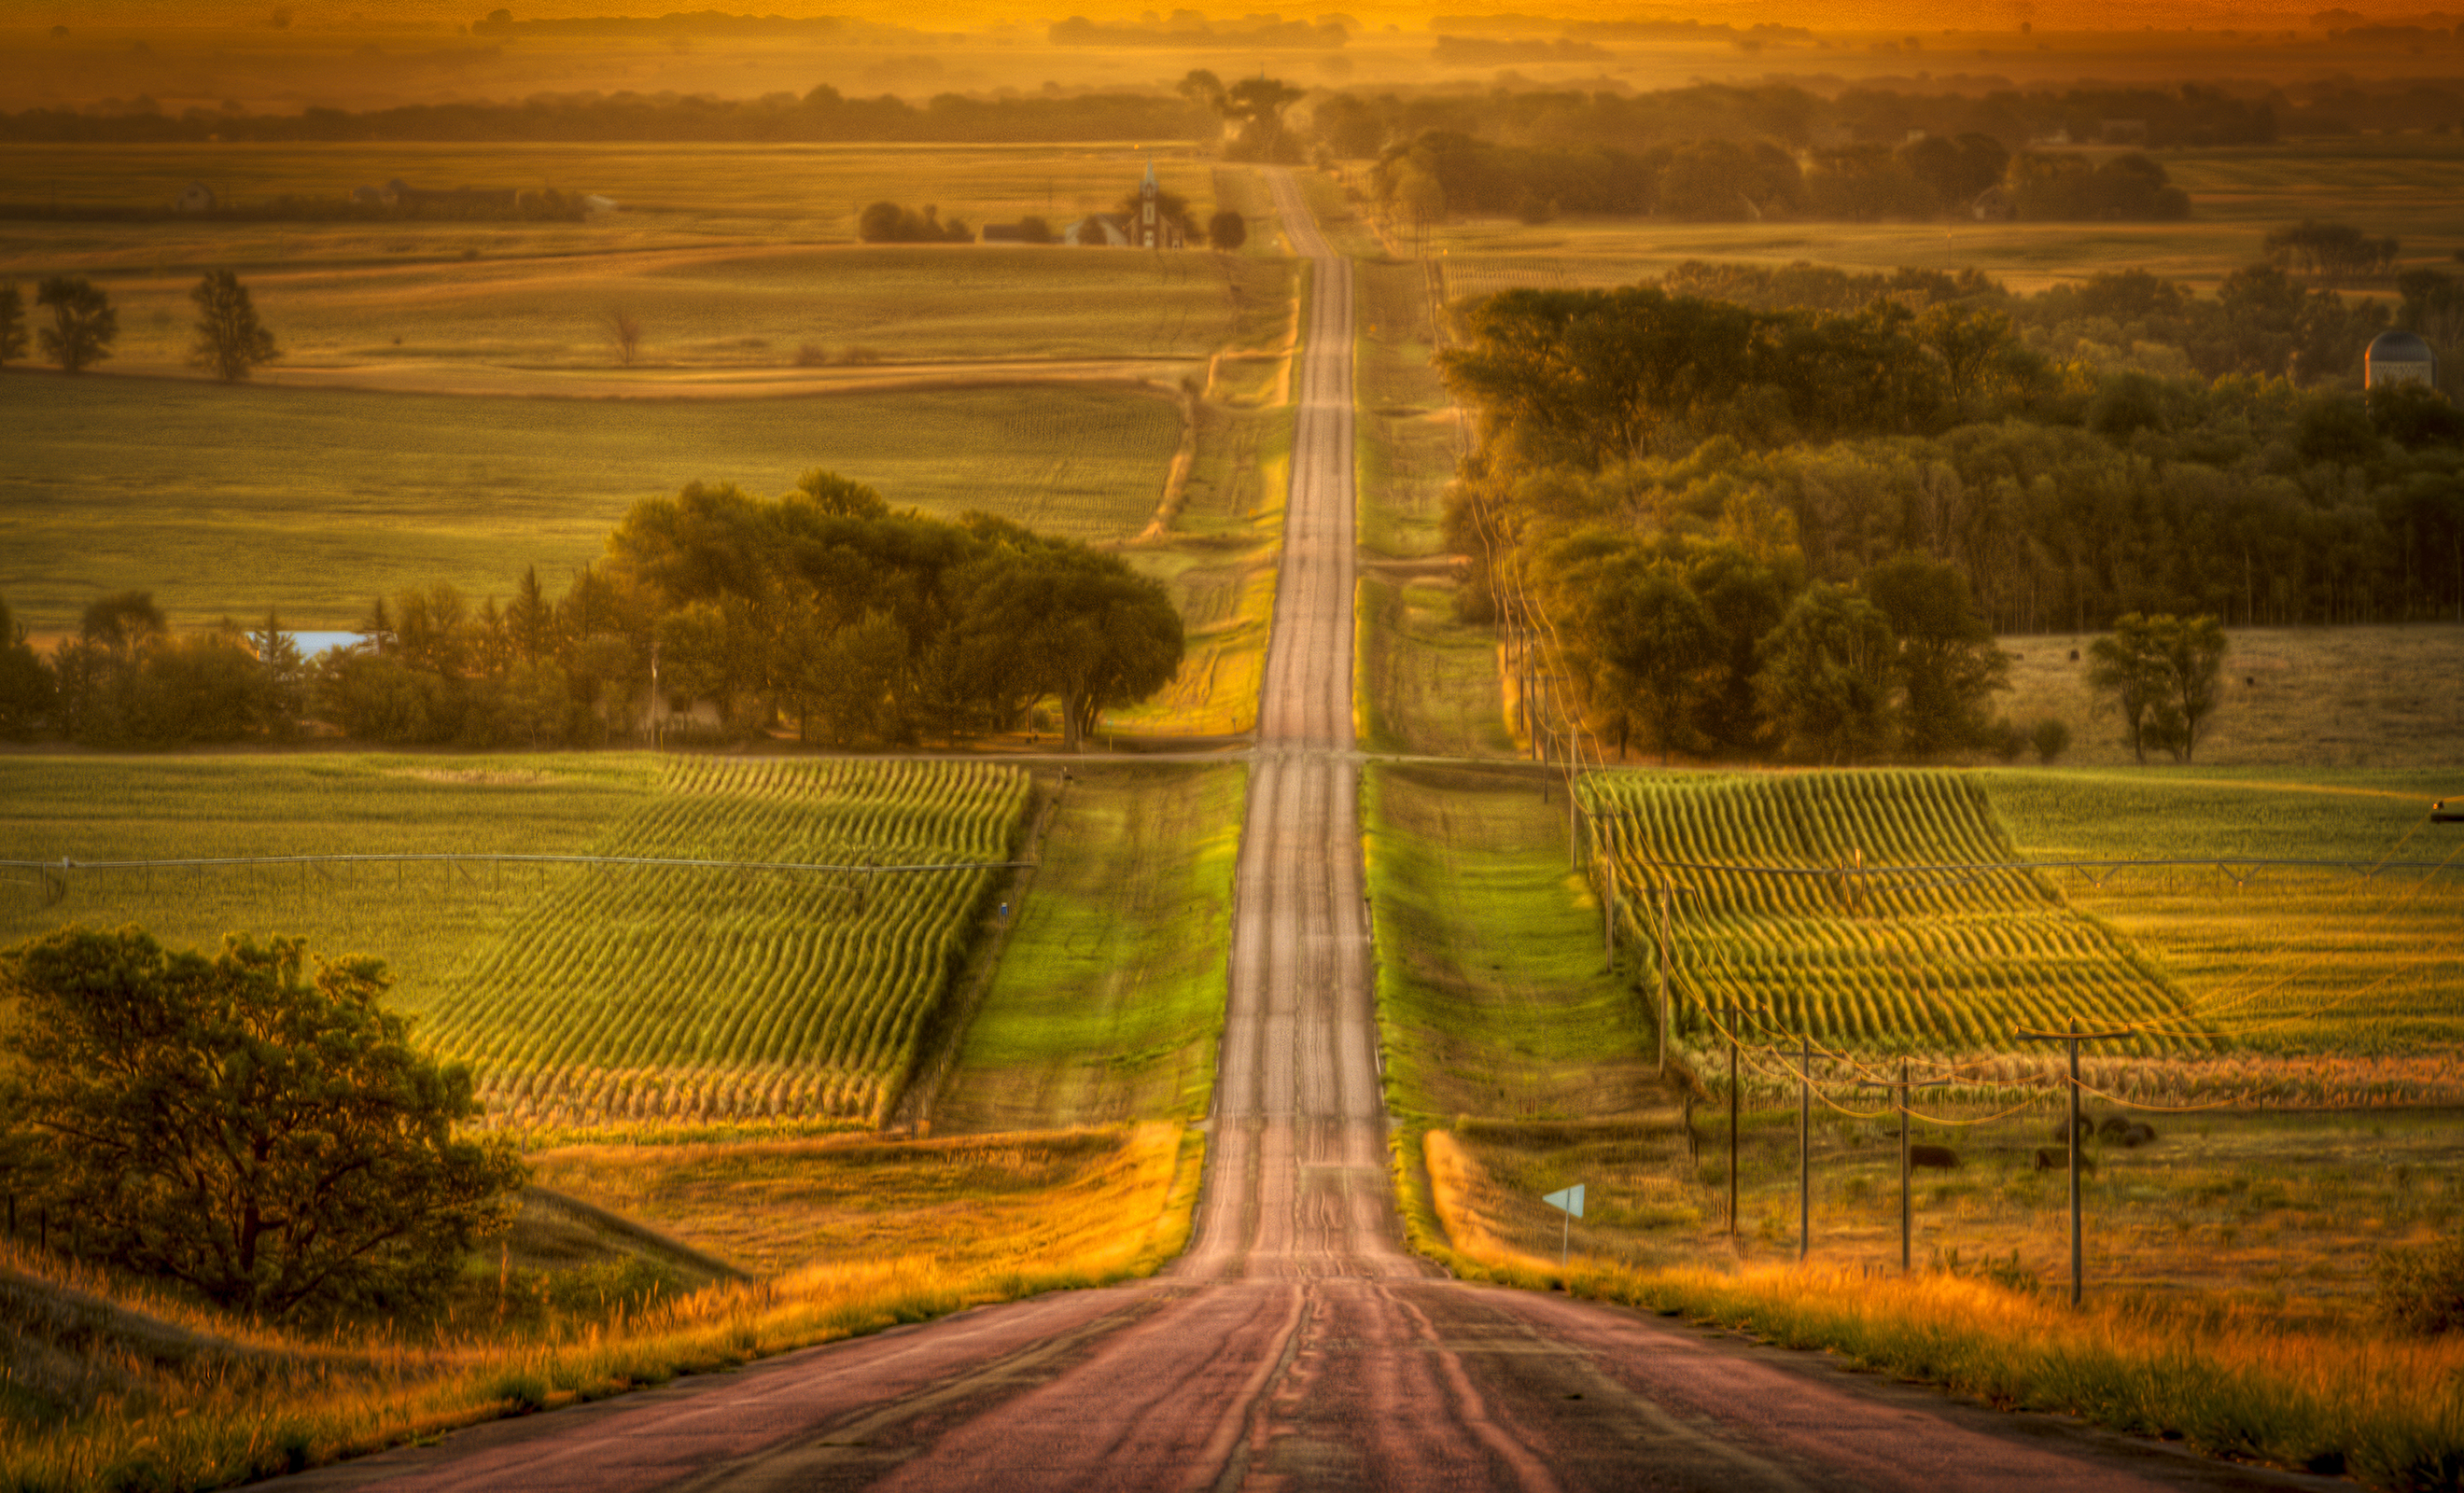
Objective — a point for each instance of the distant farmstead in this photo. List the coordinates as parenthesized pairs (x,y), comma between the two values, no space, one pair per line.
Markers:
(2399,357)
(1148,228)
(196,197)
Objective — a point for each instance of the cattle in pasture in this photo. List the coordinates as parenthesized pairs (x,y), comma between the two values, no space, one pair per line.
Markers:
(2137,1133)
(2086,1130)
(2054,1158)
(1940,1157)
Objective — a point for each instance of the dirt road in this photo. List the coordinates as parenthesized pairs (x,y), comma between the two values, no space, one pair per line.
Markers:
(1295,1345)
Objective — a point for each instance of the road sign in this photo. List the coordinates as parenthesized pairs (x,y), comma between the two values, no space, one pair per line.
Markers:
(1568,1200)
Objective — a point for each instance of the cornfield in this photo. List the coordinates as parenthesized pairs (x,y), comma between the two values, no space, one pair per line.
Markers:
(694,995)
(1849,907)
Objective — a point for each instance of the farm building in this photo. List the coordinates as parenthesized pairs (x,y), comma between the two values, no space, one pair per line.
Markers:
(2399,357)
(1098,230)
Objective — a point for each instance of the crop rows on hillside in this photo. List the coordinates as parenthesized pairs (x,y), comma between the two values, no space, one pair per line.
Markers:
(689,994)
(1954,959)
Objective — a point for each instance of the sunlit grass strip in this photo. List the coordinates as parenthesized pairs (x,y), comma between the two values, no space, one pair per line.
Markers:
(2226,1380)
(338,1400)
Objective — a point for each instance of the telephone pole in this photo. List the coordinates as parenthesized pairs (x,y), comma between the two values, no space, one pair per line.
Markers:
(1900,1101)
(1805,1145)
(2074,1037)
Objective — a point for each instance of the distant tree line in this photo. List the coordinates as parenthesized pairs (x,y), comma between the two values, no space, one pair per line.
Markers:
(823,114)
(1354,124)
(1717,180)
(725,614)
(1750,530)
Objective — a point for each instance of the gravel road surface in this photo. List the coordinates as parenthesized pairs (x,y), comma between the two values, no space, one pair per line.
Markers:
(1296,1345)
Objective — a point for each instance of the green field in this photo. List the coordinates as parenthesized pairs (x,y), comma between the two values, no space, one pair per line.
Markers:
(1109,995)
(1492,995)
(2284,961)
(1950,960)
(422,924)
(581,998)
(225,501)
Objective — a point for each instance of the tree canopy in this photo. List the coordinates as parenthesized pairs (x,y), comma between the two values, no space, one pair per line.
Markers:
(270,1140)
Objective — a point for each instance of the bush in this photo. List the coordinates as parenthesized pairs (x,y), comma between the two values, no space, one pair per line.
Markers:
(2051,738)
(2421,1290)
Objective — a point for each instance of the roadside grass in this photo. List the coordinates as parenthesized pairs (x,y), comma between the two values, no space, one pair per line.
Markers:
(224,502)
(1429,682)
(1108,999)
(1492,1000)
(2236,1377)
(1406,431)
(2361,975)
(1114,1205)
(2384,185)
(2305,697)
(420,920)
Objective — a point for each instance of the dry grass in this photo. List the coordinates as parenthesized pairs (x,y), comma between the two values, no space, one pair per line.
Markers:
(2235,1377)
(324,1401)
(2310,698)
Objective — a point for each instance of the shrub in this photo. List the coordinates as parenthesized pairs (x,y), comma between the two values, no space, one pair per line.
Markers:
(2051,738)
(2422,1290)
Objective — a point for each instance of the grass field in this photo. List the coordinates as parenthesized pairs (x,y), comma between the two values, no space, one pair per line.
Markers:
(2319,963)
(1110,996)
(98,808)
(224,502)
(1492,998)
(2405,186)
(2303,697)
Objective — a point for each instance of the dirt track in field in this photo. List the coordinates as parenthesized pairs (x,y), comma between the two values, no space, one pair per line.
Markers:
(1296,1345)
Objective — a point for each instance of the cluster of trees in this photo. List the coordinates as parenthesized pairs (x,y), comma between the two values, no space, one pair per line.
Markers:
(2161,674)
(822,608)
(1254,107)
(1359,126)
(1721,180)
(2329,251)
(230,342)
(888,223)
(267,1139)
(1189,28)
(820,114)
(1724,517)
(2261,320)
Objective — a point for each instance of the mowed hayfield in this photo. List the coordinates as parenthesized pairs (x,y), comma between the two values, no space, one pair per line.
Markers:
(2408,185)
(228,502)
(579,996)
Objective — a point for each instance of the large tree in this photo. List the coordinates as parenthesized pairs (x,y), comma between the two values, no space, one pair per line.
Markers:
(230,342)
(2160,675)
(1948,663)
(1826,683)
(83,323)
(268,1139)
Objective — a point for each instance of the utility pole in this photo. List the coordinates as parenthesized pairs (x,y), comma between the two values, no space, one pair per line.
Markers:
(1668,1002)
(2074,1037)
(1908,1209)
